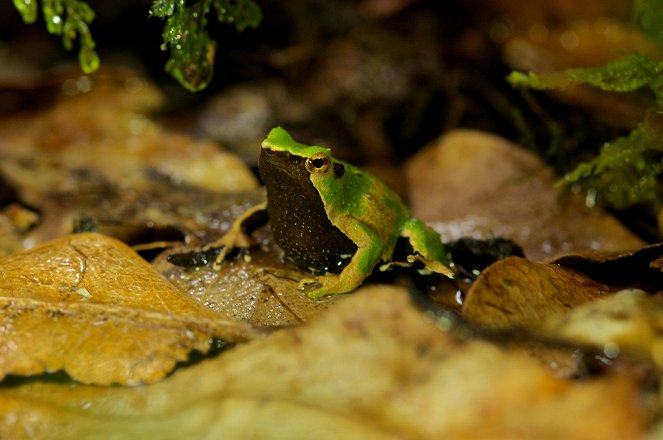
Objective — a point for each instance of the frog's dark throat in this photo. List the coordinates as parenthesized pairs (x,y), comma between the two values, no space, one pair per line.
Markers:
(297,215)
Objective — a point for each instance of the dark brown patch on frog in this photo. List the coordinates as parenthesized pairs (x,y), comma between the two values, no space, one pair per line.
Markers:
(297,215)
(339,170)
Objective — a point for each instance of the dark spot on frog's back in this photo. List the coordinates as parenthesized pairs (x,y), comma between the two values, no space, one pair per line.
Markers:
(339,170)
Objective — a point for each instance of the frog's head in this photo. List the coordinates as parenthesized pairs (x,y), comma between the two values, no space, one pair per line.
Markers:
(301,163)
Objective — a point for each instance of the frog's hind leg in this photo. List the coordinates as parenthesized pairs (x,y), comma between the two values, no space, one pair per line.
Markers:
(367,256)
(427,246)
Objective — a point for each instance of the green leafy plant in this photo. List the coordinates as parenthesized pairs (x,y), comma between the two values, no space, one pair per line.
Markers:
(192,50)
(71,20)
(628,170)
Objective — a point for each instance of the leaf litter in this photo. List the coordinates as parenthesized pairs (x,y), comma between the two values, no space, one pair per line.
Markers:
(124,323)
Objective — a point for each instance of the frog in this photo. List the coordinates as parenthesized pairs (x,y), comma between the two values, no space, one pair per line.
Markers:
(332,219)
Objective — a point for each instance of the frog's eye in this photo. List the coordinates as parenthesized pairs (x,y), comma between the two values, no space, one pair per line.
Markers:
(318,163)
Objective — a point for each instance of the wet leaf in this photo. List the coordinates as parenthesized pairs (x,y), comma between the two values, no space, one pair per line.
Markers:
(515,292)
(88,305)
(255,287)
(312,381)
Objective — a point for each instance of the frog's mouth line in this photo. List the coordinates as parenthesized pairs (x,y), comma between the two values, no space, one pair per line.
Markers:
(284,164)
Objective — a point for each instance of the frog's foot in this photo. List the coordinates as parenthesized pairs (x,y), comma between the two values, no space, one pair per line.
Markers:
(221,258)
(431,266)
(329,284)
(427,266)
(232,240)
(439,267)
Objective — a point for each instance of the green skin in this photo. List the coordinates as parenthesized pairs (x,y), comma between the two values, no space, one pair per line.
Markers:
(359,205)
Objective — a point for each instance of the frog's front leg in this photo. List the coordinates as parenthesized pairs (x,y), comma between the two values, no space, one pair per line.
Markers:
(368,254)
(238,234)
(427,246)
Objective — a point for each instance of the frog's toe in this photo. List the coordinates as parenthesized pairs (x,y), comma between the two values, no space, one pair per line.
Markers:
(220,259)
(218,264)
(317,293)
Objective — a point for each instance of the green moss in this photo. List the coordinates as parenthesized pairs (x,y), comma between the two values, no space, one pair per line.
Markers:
(69,19)
(627,171)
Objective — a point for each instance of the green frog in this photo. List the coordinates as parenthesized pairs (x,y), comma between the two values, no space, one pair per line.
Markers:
(333,219)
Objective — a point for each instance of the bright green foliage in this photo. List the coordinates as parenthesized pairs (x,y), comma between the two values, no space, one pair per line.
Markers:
(192,50)
(628,170)
(70,19)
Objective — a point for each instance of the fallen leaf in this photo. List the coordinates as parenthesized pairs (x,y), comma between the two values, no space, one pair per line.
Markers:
(516,292)
(87,304)
(260,290)
(470,183)
(311,382)
(628,323)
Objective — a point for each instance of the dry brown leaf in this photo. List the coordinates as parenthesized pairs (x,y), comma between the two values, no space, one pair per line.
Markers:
(91,306)
(516,292)
(373,367)
(470,183)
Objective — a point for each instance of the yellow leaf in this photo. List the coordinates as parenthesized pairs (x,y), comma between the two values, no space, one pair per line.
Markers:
(89,305)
